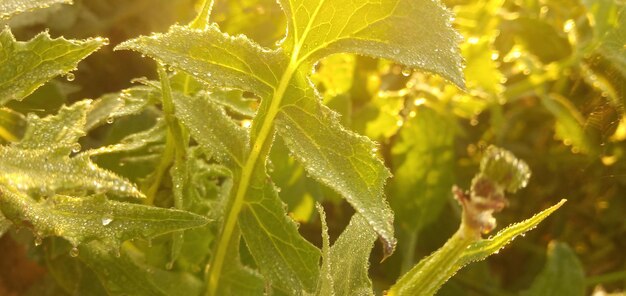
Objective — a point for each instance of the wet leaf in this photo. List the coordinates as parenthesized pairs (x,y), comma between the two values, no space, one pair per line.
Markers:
(432,272)
(562,274)
(128,275)
(80,220)
(11,7)
(25,66)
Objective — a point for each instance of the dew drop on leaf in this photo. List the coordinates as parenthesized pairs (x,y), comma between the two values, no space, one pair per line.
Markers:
(74,252)
(70,76)
(106,221)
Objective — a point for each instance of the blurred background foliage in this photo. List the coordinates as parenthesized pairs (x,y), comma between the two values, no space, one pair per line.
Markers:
(546,79)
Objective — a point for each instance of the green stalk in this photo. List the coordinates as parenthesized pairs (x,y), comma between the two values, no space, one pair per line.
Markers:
(437,268)
(202,20)
(259,152)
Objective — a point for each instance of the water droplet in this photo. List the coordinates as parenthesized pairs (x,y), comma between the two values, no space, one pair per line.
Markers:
(406,72)
(110,120)
(76,148)
(38,240)
(106,221)
(70,76)
(74,252)
(396,51)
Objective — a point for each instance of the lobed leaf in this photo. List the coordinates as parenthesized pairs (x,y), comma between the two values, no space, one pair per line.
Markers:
(283,256)
(336,157)
(50,170)
(60,130)
(214,57)
(127,102)
(25,66)
(12,7)
(226,140)
(320,28)
(80,220)
(350,258)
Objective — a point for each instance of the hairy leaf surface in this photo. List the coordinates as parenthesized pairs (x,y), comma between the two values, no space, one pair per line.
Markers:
(127,275)
(25,66)
(11,7)
(60,130)
(80,220)
(25,170)
(272,237)
(432,272)
(290,105)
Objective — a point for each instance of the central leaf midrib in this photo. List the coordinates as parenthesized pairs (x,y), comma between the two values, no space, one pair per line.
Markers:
(253,158)
(248,170)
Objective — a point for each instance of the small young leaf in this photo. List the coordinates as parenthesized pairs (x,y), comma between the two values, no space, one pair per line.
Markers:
(135,141)
(127,275)
(226,140)
(25,66)
(80,220)
(60,130)
(350,258)
(11,7)
(563,274)
(130,101)
(325,282)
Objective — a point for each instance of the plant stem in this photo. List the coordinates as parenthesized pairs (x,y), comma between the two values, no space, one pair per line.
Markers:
(438,267)
(202,20)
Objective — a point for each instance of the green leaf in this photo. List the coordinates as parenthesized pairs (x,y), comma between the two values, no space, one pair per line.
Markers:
(283,256)
(134,142)
(11,7)
(288,260)
(226,140)
(127,102)
(126,274)
(320,28)
(569,123)
(80,220)
(60,130)
(290,105)
(562,274)
(432,272)
(325,283)
(11,125)
(424,160)
(485,247)
(336,157)
(25,66)
(238,279)
(47,170)
(214,57)
(350,258)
